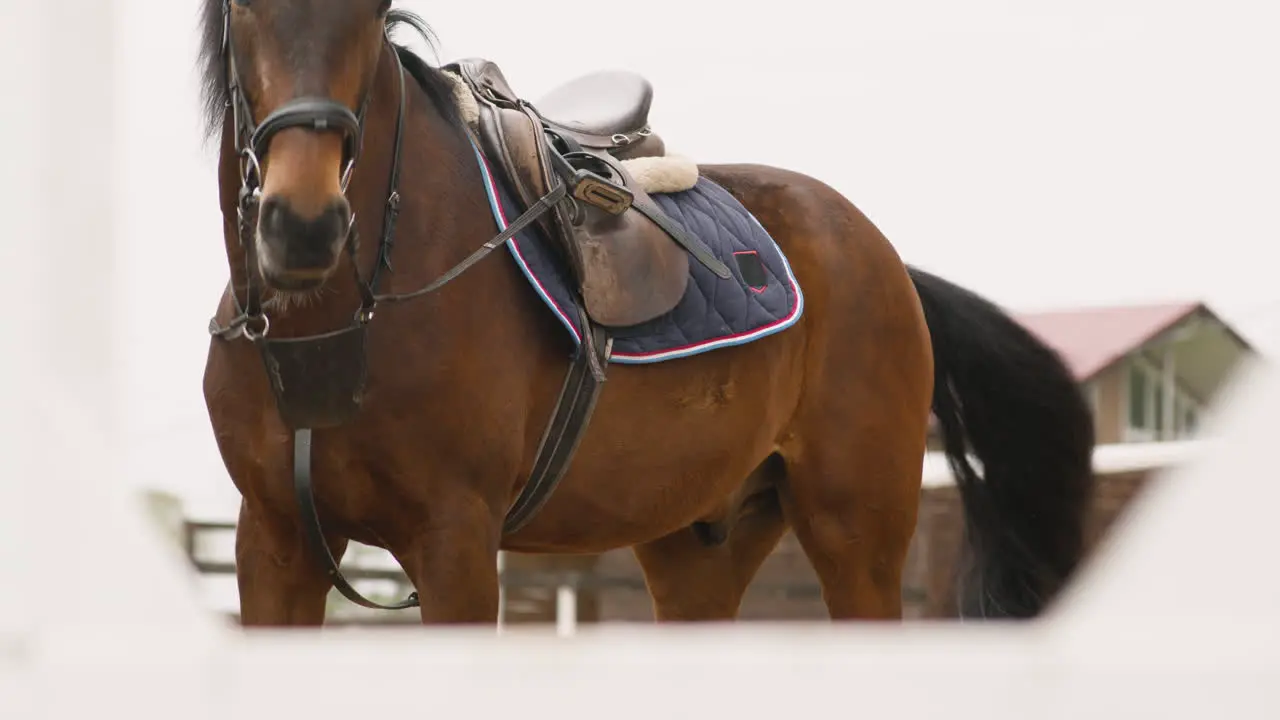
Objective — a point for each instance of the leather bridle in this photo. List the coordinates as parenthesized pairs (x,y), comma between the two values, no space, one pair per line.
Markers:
(327,115)
(318,114)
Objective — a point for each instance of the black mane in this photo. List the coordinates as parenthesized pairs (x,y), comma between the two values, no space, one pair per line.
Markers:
(213,75)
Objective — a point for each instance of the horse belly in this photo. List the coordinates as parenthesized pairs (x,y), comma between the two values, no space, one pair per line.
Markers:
(670,444)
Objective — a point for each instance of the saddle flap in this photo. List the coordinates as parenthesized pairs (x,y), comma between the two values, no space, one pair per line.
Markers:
(632,270)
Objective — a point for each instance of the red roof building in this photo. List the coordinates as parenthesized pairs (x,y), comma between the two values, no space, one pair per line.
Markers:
(1148,370)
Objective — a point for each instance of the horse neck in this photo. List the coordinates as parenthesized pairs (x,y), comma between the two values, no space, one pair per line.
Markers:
(430,154)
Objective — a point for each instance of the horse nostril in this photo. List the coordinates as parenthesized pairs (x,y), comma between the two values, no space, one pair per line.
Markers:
(281,223)
(271,216)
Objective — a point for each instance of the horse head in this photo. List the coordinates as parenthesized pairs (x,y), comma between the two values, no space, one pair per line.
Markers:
(300,74)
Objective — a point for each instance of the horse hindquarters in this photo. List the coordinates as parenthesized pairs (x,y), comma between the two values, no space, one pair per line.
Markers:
(853,449)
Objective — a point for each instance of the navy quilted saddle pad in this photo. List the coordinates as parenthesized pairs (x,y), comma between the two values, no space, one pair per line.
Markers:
(762,298)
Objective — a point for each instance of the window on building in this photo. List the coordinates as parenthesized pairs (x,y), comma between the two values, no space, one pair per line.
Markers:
(1146,405)
(1137,397)
(1157,405)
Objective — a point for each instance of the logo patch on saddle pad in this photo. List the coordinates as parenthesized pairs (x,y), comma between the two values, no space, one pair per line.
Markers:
(762,298)
(752,268)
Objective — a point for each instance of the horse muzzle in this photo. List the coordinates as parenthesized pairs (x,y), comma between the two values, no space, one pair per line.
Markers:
(297,252)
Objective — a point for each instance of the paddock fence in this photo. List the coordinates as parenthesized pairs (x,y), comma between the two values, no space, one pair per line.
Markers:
(571,590)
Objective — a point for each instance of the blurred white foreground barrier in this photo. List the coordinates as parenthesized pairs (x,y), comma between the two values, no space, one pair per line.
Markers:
(1198,553)
(95,613)
(98,617)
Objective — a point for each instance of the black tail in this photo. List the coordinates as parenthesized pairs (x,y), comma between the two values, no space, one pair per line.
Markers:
(1008,399)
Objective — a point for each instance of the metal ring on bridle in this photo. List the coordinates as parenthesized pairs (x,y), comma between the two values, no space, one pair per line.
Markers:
(249,162)
(255,336)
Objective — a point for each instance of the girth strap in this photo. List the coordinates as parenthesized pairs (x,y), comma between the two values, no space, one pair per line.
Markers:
(564,432)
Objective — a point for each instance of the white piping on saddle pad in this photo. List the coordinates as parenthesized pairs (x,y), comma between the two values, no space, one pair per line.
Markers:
(672,173)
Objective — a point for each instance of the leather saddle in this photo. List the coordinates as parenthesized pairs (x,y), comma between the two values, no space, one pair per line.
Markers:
(630,261)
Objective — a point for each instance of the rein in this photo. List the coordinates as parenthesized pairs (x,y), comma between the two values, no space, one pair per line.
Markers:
(318,380)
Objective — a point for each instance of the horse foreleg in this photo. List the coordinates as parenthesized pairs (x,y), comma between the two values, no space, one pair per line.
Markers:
(453,563)
(280,583)
(691,582)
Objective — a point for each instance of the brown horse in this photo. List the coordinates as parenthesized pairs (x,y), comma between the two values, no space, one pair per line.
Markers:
(699,464)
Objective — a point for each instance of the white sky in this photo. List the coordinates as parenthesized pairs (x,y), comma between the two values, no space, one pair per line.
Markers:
(1044,154)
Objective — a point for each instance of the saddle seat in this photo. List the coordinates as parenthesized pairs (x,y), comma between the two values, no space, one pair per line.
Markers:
(629,261)
(606,109)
